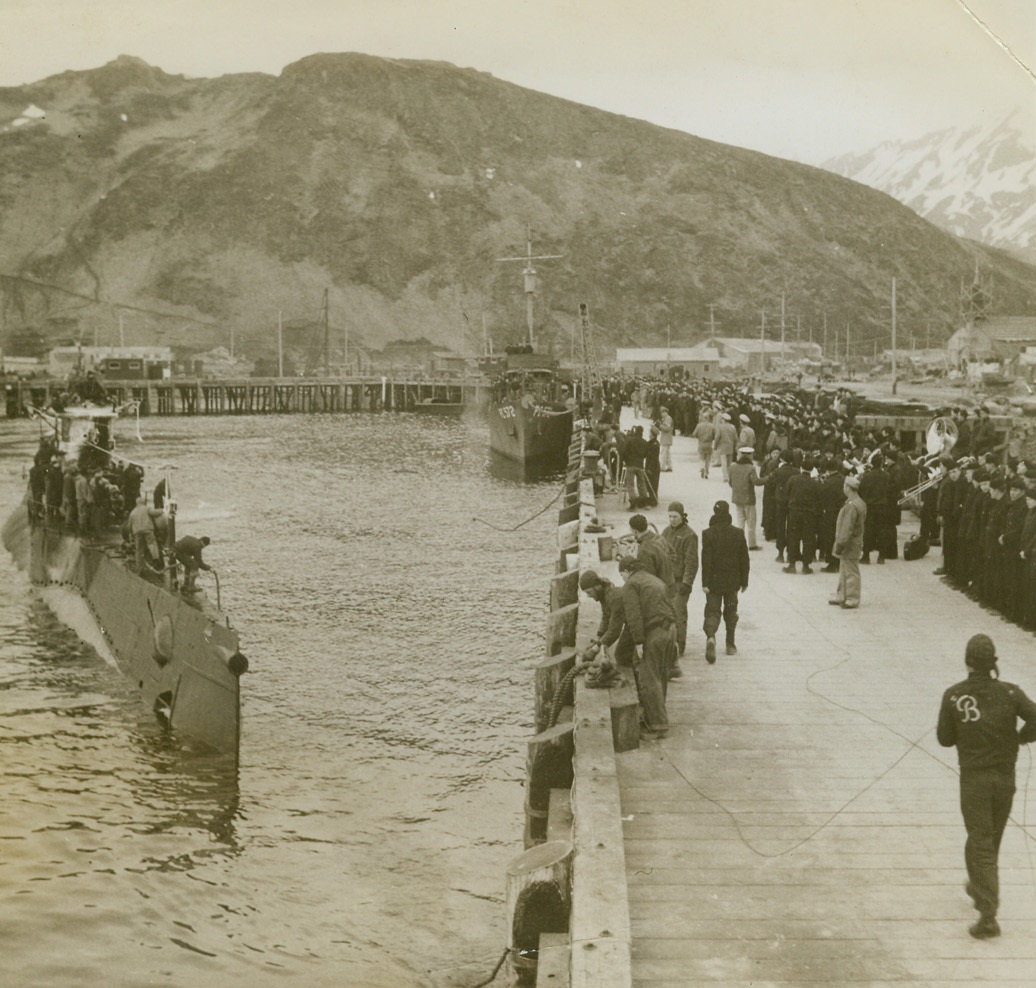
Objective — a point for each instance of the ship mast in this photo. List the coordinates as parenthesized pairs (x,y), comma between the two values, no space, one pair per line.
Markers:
(530,279)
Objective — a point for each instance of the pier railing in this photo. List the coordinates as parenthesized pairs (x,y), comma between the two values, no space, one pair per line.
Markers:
(260,395)
(568,908)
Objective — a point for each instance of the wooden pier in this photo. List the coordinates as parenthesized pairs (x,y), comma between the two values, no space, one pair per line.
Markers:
(261,396)
(800,824)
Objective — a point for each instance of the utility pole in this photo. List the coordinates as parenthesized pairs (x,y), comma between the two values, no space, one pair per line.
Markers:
(762,342)
(712,319)
(327,338)
(782,324)
(825,338)
(122,338)
(280,343)
(894,381)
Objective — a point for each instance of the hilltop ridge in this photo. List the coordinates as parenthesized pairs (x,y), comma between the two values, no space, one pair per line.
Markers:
(216,203)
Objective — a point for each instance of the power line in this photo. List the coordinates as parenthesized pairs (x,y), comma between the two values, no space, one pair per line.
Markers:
(105,302)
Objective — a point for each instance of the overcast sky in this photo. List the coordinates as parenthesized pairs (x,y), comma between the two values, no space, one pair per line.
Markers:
(802,79)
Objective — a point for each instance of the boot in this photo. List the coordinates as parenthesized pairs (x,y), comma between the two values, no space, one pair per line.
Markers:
(790,568)
(780,556)
(985,928)
(807,570)
(731,647)
(710,650)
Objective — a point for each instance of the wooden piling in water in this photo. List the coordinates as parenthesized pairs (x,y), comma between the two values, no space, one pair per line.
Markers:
(572,784)
(257,396)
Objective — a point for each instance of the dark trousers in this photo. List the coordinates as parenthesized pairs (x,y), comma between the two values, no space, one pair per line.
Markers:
(951,552)
(1028,604)
(930,515)
(679,597)
(802,527)
(780,525)
(720,605)
(652,676)
(985,803)
(826,537)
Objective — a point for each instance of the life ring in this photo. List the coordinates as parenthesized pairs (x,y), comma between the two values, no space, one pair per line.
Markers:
(162,640)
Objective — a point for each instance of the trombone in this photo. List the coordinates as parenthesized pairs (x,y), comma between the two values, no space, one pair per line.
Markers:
(940,438)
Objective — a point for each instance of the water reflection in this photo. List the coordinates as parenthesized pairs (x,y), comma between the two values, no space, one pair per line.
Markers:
(185,788)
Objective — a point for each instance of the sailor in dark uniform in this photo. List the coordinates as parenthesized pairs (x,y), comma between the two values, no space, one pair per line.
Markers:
(980,716)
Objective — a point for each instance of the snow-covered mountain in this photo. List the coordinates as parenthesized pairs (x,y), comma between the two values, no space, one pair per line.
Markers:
(978,182)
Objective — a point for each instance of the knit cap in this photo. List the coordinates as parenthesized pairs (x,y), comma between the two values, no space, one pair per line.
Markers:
(980,652)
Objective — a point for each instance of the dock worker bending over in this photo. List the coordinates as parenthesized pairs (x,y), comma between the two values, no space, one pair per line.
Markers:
(651,622)
(980,716)
(611,632)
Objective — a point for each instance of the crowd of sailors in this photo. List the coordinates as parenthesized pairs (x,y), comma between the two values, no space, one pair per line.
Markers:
(831,493)
(86,496)
(97,494)
(784,459)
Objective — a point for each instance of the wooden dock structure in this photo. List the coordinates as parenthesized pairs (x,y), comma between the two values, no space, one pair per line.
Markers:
(261,396)
(800,824)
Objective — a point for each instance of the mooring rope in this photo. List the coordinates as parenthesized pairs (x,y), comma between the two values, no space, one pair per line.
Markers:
(496,970)
(565,693)
(497,528)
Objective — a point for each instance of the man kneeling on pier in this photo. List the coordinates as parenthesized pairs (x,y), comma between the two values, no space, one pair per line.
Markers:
(651,622)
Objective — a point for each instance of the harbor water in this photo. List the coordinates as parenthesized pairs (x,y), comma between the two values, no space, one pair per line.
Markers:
(391,630)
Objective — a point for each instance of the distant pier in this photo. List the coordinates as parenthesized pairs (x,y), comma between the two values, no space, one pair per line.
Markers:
(260,395)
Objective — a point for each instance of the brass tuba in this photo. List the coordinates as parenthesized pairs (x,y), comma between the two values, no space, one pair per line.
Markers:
(940,438)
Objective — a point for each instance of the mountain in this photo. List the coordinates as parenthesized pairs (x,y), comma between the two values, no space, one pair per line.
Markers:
(977,182)
(198,210)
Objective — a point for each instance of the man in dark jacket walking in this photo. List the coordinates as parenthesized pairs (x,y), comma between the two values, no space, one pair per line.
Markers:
(980,717)
(724,572)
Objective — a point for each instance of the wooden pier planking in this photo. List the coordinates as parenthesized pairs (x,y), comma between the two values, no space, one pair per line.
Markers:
(800,824)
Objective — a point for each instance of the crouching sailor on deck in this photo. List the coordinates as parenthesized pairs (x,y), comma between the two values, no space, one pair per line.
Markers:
(188,554)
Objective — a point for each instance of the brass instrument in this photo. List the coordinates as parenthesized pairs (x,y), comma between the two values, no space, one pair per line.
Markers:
(940,438)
